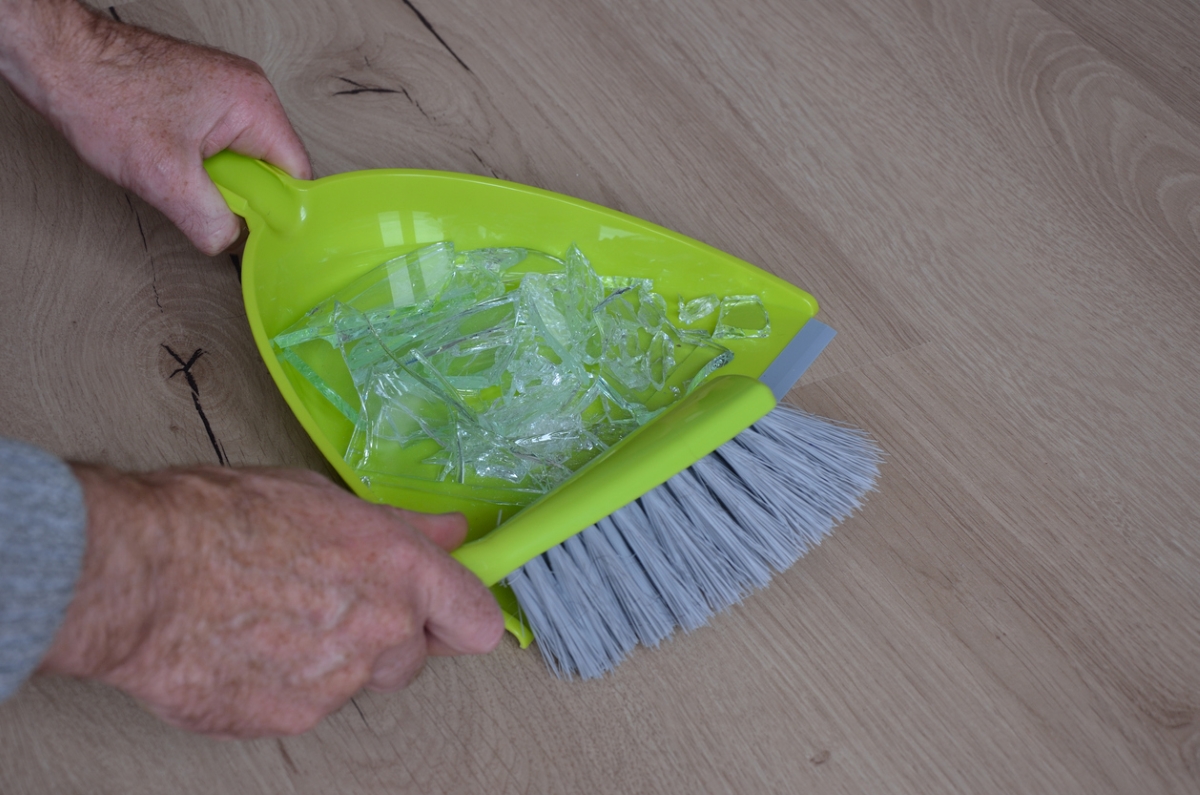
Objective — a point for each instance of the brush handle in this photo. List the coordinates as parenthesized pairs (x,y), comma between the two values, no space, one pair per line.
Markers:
(258,191)
(700,423)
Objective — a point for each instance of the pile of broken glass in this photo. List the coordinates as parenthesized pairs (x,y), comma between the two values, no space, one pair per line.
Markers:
(505,366)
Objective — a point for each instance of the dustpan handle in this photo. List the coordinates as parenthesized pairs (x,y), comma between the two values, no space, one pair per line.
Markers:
(257,191)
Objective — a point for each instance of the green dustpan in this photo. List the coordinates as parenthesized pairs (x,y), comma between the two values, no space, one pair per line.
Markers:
(309,239)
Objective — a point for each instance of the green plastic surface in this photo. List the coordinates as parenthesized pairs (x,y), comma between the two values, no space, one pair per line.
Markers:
(310,238)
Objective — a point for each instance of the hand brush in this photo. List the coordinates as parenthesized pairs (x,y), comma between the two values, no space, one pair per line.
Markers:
(705,519)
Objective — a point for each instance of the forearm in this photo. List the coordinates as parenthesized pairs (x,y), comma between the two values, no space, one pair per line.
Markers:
(114,599)
(40,41)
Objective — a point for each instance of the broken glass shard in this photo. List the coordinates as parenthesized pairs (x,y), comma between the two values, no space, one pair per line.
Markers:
(742,317)
(502,367)
(692,312)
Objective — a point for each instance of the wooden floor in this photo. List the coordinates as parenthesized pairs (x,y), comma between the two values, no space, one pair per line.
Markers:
(997,203)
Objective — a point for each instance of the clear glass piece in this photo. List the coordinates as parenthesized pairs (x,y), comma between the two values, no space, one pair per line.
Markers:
(692,312)
(742,317)
(502,367)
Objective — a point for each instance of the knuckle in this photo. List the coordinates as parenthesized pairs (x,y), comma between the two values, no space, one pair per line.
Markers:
(396,626)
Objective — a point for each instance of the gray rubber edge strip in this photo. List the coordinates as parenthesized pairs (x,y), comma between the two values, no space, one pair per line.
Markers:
(796,357)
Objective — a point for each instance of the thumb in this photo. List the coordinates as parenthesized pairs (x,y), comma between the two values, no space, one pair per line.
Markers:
(447,530)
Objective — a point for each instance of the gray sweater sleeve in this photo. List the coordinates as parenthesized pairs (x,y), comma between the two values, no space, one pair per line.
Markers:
(42,540)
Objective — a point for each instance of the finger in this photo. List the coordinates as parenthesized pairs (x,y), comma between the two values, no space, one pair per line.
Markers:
(397,666)
(274,140)
(434,647)
(256,126)
(447,530)
(461,614)
(200,212)
(259,127)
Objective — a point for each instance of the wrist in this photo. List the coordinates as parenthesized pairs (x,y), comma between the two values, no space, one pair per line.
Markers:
(113,606)
(41,42)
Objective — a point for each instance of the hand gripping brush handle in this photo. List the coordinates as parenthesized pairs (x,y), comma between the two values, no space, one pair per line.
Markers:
(679,520)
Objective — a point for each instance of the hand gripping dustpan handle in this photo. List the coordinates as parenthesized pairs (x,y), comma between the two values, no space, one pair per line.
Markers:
(257,191)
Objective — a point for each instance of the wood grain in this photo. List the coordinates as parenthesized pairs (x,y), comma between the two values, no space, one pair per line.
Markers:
(999,208)
(1154,40)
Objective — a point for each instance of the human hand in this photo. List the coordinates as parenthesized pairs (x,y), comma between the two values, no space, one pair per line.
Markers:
(250,602)
(145,110)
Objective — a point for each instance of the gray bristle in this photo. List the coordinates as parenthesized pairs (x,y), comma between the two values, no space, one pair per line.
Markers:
(679,593)
(627,581)
(696,544)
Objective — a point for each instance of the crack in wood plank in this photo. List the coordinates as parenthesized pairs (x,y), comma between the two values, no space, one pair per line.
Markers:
(436,35)
(186,369)
(360,88)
